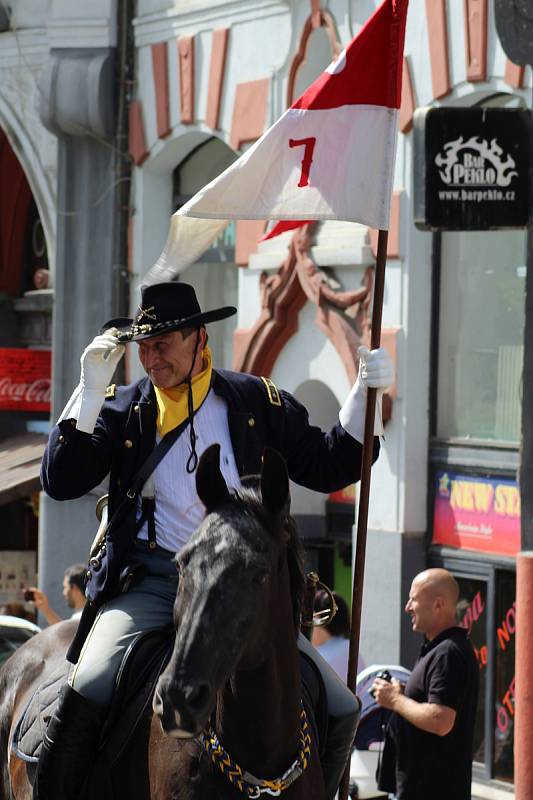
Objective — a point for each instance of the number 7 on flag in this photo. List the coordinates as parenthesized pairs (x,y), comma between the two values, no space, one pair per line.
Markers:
(307,160)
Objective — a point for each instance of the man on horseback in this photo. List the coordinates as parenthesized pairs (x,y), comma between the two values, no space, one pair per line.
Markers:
(180,409)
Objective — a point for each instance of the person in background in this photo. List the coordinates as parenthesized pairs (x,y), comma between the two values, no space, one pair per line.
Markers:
(333,641)
(429,739)
(73,592)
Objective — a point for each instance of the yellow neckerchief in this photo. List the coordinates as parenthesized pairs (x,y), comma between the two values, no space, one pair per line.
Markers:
(172,404)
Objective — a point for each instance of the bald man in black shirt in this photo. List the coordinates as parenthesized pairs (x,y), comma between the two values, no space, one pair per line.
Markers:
(429,739)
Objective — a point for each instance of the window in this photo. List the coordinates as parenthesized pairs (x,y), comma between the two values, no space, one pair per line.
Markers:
(480,350)
(505,670)
(472,615)
(215,286)
(318,55)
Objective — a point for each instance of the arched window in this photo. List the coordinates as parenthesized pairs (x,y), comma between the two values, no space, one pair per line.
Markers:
(214,275)
(22,242)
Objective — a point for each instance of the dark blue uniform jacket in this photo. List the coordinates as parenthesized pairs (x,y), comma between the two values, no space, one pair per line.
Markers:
(75,462)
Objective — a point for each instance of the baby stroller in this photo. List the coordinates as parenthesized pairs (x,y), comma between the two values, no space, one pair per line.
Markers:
(369,737)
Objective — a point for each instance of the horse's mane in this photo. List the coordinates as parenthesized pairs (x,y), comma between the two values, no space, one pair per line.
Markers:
(295,562)
(249,496)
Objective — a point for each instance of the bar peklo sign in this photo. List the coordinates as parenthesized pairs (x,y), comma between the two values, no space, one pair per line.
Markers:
(472,168)
(25,379)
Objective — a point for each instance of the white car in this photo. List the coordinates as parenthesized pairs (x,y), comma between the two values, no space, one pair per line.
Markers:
(14,631)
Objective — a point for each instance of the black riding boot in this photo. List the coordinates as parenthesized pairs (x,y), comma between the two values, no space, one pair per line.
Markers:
(341,733)
(68,749)
(343,718)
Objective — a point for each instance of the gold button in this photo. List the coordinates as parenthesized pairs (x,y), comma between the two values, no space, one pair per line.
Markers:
(61,438)
(128,443)
(251,422)
(136,409)
(88,574)
(152,545)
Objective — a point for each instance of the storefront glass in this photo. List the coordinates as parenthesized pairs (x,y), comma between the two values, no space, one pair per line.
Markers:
(472,615)
(493,640)
(482,285)
(505,675)
(479,334)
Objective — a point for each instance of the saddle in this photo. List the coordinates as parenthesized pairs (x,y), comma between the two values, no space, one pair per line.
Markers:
(131,709)
(315,700)
(141,666)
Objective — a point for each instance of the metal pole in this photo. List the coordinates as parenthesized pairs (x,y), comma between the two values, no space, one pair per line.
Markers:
(364,492)
(123,164)
(523,753)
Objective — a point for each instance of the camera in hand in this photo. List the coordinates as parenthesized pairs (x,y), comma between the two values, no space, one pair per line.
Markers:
(29,596)
(385,675)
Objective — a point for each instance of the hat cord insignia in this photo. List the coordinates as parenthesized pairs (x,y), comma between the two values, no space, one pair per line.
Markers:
(145,312)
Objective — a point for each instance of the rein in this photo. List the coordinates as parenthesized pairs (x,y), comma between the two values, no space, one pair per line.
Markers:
(247,783)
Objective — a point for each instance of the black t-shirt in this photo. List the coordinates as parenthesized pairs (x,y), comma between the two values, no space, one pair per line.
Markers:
(427,766)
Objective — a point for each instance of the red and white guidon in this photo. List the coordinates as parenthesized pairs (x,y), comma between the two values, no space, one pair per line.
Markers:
(331,154)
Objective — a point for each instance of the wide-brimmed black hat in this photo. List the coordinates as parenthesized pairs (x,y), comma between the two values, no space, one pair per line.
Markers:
(165,307)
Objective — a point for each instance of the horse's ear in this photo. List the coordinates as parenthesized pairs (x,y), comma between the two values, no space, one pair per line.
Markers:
(210,484)
(274,481)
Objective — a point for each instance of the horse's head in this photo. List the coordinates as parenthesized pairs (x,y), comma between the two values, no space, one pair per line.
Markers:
(232,573)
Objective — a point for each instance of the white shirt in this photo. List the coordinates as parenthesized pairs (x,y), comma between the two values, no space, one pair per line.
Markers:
(335,650)
(178,509)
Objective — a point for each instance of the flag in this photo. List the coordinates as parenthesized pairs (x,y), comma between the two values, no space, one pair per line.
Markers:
(329,156)
(283,227)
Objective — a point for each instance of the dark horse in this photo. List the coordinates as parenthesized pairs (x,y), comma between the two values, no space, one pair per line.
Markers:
(230,696)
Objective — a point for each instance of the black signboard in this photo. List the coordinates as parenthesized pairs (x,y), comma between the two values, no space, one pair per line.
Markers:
(472,168)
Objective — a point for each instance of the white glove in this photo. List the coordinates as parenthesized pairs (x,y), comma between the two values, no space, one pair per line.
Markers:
(98,363)
(376,371)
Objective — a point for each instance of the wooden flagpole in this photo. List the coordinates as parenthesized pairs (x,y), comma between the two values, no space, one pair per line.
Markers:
(364,492)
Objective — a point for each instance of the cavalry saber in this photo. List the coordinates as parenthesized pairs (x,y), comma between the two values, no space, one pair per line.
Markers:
(364,492)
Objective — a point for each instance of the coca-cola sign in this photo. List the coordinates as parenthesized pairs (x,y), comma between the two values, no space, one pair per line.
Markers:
(25,382)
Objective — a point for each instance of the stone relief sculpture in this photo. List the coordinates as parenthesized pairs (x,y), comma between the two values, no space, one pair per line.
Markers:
(344,316)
